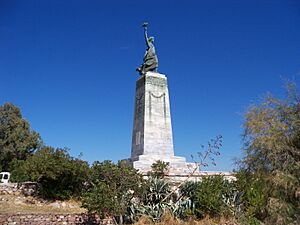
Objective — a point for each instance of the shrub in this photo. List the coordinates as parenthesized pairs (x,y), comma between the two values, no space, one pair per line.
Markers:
(111,188)
(210,197)
(59,175)
(255,194)
(159,169)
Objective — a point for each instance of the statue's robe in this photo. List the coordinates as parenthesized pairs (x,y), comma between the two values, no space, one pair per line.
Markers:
(150,60)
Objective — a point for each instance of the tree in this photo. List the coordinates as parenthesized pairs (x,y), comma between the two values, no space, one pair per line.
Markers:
(272,134)
(17,140)
(60,175)
(272,153)
(111,188)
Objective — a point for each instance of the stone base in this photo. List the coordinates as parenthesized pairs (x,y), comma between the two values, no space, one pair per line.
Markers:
(152,128)
(177,165)
(179,169)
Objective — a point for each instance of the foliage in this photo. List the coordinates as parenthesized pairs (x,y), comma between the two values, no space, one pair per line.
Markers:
(159,169)
(111,188)
(18,172)
(187,194)
(255,194)
(100,199)
(17,140)
(156,191)
(272,134)
(271,165)
(153,202)
(264,200)
(59,175)
(205,158)
(212,196)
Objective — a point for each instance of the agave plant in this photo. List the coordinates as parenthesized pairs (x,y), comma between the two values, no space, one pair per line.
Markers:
(185,206)
(153,204)
(232,198)
(156,191)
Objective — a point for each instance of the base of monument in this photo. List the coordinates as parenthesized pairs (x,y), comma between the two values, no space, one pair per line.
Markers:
(179,169)
(177,165)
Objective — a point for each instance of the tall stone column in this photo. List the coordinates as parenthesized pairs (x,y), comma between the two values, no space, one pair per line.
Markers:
(152,137)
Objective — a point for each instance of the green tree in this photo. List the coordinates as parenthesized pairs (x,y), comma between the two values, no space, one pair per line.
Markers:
(272,154)
(17,140)
(111,188)
(60,175)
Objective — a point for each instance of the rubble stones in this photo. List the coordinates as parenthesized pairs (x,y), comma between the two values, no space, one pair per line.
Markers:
(25,188)
(51,219)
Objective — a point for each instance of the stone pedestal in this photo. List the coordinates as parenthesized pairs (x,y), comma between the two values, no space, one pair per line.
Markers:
(152,138)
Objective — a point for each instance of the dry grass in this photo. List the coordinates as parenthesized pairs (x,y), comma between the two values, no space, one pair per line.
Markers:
(20,204)
(168,219)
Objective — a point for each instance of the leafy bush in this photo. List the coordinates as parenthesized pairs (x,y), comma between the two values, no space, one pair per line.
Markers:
(211,196)
(264,200)
(100,199)
(111,187)
(254,197)
(59,175)
(159,169)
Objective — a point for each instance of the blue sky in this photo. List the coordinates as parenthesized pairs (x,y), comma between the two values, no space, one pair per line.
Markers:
(70,67)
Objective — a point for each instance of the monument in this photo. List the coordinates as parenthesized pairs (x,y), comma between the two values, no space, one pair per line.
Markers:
(152,137)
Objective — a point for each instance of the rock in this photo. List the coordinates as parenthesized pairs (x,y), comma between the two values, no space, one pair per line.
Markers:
(18,202)
(55,205)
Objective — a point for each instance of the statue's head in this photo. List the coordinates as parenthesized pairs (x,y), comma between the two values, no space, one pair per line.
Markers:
(151,39)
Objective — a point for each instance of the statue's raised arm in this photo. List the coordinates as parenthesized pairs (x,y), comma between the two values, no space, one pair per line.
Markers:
(150,58)
(146,34)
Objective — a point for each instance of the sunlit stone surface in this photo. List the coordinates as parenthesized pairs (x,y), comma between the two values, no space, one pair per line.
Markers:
(152,137)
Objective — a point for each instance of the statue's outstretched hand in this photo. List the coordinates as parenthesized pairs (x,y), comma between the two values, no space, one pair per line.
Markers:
(145,24)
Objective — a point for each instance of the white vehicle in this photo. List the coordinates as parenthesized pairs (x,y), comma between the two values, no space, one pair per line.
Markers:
(4,177)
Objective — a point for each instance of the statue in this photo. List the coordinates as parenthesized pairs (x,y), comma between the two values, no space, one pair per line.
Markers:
(150,58)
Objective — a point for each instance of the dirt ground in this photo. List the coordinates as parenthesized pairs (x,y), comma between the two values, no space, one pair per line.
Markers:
(21,204)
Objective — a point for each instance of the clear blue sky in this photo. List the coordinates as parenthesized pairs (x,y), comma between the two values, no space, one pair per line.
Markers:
(70,67)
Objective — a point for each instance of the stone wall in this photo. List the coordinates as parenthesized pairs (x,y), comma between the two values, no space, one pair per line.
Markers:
(51,219)
(25,188)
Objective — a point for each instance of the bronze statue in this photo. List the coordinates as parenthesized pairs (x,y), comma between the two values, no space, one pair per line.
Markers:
(150,58)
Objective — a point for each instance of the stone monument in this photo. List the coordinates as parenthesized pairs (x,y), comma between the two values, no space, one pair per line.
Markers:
(152,137)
